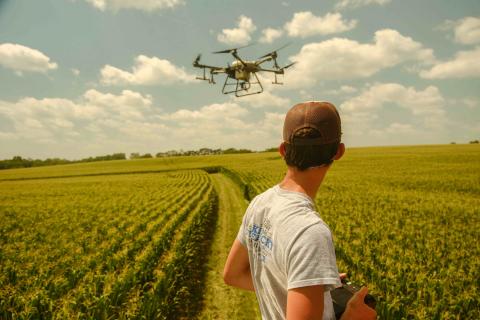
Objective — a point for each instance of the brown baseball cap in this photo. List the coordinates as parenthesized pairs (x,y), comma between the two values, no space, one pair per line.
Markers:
(322,116)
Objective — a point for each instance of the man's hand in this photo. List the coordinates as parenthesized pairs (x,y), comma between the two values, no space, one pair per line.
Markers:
(357,309)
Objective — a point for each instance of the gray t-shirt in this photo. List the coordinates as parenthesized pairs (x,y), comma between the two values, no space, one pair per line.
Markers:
(289,246)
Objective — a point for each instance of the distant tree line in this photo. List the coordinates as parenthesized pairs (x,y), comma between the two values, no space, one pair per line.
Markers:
(19,162)
(199,152)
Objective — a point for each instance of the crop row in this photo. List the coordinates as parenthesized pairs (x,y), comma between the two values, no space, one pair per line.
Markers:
(88,238)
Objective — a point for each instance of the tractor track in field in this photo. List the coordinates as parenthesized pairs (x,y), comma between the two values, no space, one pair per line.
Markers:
(220,300)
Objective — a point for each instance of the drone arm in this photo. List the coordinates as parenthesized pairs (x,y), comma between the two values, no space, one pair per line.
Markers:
(234,53)
(218,70)
(279,71)
(262,60)
(197,64)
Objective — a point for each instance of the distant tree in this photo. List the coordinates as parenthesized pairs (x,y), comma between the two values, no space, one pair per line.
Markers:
(146,155)
(119,156)
(474,142)
(19,162)
(273,149)
(233,150)
(134,155)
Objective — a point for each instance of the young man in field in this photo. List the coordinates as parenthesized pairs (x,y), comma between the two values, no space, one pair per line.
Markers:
(284,251)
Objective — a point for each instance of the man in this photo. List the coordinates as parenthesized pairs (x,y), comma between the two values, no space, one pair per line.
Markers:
(284,250)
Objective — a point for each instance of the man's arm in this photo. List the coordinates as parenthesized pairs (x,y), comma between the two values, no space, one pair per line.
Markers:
(305,303)
(237,268)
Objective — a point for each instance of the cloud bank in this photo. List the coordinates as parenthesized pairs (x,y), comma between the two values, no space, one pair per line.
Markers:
(465,64)
(465,31)
(341,58)
(362,115)
(101,122)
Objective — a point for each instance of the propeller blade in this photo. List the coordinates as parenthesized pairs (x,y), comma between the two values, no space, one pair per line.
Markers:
(274,52)
(225,51)
(233,49)
(289,65)
(197,60)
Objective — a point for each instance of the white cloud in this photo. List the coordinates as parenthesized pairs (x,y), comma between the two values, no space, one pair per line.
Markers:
(465,64)
(99,123)
(343,90)
(305,24)
(466,102)
(427,104)
(273,122)
(144,5)
(93,105)
(146,71)
(465,30)
(471,103)
(217,112)
(398,128)
(265,100)
(21,58)
(240,35)
(270,34)
(92,125)
(128,105)
(365,117)
(75,72)
(351,4)
(341,58)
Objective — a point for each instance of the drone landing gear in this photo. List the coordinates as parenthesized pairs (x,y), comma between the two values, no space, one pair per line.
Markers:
(242,87)
(276,80)
(210,80)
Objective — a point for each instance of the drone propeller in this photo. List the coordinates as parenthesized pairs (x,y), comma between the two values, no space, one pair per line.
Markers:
(288,65)
(197,59)
(233,49)
(273,54)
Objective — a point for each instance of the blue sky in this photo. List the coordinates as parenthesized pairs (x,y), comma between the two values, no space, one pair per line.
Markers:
(89,77)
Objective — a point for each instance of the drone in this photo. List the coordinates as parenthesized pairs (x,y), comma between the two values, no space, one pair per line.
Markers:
(242,76)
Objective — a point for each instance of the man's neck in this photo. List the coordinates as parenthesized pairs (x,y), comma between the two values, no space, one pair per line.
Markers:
(307,181)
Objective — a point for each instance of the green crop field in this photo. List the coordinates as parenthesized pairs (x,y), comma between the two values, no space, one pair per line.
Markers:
(147,239)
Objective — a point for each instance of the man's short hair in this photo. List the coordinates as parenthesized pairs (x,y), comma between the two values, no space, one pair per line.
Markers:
(307,156)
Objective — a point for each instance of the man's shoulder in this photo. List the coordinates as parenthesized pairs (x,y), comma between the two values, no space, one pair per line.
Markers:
(267,194)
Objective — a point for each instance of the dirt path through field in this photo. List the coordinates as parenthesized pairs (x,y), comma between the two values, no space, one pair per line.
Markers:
(222,301)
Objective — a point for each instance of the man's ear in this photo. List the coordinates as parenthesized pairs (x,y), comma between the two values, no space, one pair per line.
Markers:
(340,151)
(281,149)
